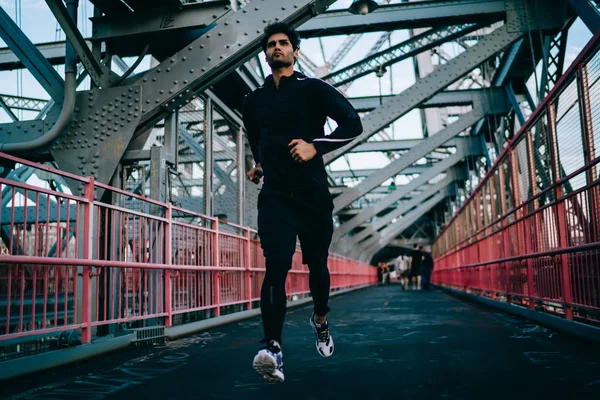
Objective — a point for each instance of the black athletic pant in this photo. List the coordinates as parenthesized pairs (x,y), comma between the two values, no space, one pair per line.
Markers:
(284,215)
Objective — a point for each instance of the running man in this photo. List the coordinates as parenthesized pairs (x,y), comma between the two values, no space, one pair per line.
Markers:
(284,120)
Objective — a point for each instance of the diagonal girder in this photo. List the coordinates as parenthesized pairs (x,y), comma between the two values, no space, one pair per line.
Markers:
(343,50)
(404,190)
(413,169)
(589,14)
(446,98)
(93,67)
(198,149)
(413,155)
(429,85)
(415,45)
(7,109)
(31,57)
(405,144)
(381,239)
(402,208)
(235,39)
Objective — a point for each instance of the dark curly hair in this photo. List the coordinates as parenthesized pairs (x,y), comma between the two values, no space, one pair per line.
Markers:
(281,27)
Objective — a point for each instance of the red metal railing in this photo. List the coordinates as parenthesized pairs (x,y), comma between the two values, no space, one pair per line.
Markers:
(530,233)
(75,262)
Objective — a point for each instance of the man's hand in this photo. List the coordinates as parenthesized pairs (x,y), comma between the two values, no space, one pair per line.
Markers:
(255,174)
(302,151)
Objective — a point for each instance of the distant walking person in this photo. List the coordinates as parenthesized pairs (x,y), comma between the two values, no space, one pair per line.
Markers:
(426,269)
(285,120)
(403,270)
(415,267)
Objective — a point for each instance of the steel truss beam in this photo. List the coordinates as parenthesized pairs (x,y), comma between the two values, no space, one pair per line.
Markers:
(588,13)
(23,103)
(198,149)
(408,243)
(404,190)
(381,239)
(358,173)
(31,58)
(405,144)
(7,109)
(402,208)
(422,14)
(52,52)
(446,98)
(93,67)
(429,85)
(413,46)
(186,17)
(234,40)
(412,156)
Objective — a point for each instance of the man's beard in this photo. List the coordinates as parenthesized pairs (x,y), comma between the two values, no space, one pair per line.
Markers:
(280,63)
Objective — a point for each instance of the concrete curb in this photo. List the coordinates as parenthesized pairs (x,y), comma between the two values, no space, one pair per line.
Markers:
(578,329)
(39,362)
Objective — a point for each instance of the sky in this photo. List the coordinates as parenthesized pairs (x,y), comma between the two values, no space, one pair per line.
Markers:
(40,26)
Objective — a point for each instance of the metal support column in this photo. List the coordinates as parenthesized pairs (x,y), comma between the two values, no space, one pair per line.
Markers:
(241,175)
(208,158)
(172,137)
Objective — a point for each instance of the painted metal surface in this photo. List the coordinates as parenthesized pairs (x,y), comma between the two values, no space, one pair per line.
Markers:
(159,262)
(525,242)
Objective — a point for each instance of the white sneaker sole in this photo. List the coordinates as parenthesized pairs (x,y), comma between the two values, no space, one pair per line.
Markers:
(323,355)
(267,366)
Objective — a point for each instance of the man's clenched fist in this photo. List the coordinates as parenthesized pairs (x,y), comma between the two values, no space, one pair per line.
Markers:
(302,151)
(255,174)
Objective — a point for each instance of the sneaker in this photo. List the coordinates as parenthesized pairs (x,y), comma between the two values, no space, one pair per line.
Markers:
(269,362)
(324,340)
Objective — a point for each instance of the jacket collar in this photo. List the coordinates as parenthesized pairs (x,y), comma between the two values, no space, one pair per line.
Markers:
(269,82)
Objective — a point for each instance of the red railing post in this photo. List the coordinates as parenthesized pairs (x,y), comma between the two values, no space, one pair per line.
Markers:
(217,273)
(169,261)
(86,279)
(589,151)
(561,216)
(247,268)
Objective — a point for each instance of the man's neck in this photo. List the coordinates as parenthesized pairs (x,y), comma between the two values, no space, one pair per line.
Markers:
(278,73)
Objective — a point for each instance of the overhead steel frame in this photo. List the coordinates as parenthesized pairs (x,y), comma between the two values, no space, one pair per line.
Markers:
(420,14)
(447,98)
(515,8)
(404,190)
(588,13)
(23,103)
(31,58)
(402,208)
(426,87)
(380,239)
(415,45)
(412,156)
(95,70)
(7,109)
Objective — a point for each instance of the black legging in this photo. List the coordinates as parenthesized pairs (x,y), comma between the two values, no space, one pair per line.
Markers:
(283,216)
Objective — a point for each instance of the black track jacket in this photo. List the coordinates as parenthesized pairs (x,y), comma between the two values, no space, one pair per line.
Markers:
(298,109)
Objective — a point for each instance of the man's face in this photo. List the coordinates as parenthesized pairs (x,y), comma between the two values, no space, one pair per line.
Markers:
(280,53)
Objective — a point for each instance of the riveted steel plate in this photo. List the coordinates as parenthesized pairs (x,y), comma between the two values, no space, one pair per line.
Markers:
(100,131)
